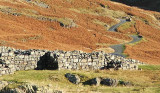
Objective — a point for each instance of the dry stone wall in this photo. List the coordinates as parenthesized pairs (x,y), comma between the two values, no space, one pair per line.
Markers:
(93,61)
(12,60)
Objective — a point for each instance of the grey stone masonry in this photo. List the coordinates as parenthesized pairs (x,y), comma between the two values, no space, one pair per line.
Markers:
(12,60)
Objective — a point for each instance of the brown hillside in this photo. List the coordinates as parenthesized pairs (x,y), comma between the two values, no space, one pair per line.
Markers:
(78,25)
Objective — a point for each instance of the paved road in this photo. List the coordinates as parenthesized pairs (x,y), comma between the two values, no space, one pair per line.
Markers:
(136,38)
(119,48)
(114,27)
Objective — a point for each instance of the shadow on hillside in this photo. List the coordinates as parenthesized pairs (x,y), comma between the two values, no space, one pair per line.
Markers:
(147,5)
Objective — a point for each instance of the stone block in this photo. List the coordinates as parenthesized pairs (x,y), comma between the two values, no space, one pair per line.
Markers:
(76,60)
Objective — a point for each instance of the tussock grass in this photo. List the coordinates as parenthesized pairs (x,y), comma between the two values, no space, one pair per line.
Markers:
(146,81)
(105,25)
(99,22)
(126,25)
(34,14)
(100,11)
(27,39)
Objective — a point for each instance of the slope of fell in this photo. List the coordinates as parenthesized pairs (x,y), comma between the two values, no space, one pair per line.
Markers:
(78,25)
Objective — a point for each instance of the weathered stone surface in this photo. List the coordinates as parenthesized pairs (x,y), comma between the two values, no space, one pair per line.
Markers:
(73,78)
(124,83)
(109,82)
(16,59)
(28,88)
(3,84)
(95,81)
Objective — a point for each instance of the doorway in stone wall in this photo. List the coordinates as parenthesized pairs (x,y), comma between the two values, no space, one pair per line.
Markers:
(47,62)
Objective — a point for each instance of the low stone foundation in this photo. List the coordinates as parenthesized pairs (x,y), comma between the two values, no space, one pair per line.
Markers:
(13,60)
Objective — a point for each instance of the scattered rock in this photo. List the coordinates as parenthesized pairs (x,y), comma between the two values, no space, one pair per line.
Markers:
(109,82)
(73,78)
(3,84)
(124,83)
(95,81)
(28,88)
(38,3)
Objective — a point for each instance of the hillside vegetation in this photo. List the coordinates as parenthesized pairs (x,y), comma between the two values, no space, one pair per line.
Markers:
(78,25)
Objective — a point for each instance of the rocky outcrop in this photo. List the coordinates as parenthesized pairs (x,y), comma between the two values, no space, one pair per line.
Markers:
(95,81)
(26,88)
(73,78)
(125,83)
(109,82)
(76,79)
(3,84)
(38,3)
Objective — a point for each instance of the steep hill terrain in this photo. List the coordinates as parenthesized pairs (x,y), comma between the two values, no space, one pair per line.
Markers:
(79,25)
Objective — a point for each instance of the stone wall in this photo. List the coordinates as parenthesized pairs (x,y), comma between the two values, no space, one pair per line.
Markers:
(12,60)
(93,61)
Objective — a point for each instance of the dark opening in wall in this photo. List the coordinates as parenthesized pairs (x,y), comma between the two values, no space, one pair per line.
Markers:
(48,62)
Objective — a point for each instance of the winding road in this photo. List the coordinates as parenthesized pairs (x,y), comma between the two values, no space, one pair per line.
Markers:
(119,48)
(114,27)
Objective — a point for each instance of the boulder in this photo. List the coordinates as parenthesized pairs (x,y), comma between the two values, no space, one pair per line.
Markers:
(109,82)
(73,78)
(3,84)
(124,83)
(95,81)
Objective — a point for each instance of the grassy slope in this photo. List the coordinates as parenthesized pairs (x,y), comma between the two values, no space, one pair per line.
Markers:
(146,81)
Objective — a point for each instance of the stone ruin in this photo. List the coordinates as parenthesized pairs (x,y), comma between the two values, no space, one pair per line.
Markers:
(12,60)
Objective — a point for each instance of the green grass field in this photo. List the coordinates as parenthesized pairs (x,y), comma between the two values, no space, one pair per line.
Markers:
(145,81)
